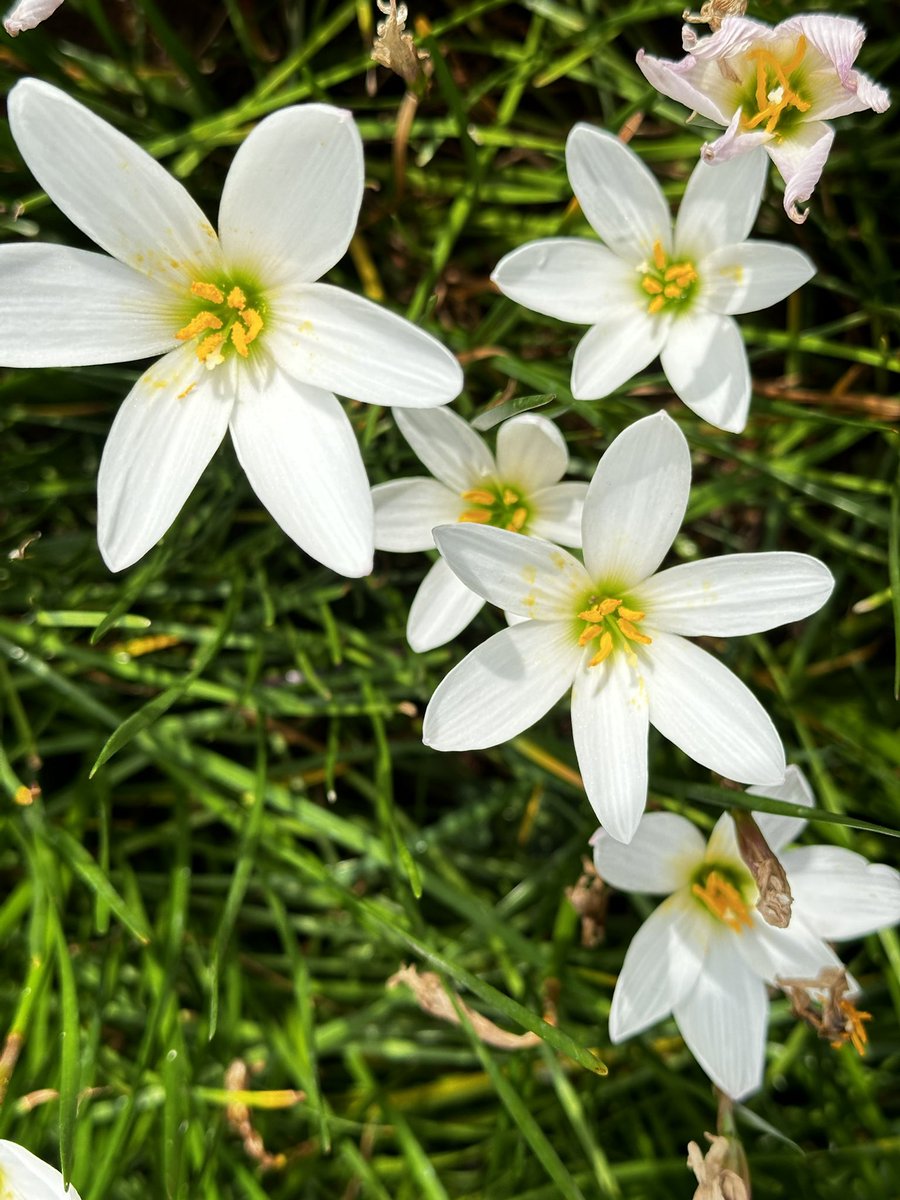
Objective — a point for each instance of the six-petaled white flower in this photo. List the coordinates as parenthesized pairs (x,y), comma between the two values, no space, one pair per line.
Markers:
(654,290)
(772,87)
(705,954)
(250,341)
(616,632)
(519,489)
(24,1176)
(27,14)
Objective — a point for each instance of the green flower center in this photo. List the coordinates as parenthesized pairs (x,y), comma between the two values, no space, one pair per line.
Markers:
(608,622)
(496,504)
(231,319)
(668,284)
(773,100)
(720,889)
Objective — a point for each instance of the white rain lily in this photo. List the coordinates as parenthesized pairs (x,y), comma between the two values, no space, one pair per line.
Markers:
(24,1176)
(251,342)
(706,956)
(616,631)
(772,87)
(653,289)
(519,489)
(27,14)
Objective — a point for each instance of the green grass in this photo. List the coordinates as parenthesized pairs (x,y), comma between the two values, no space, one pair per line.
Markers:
(266,839)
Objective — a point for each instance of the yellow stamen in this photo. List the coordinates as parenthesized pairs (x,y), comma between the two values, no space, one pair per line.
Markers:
(509,496)
(659,255)
(199,324)
(209,350)
(599,611)
(631,614)
(207,291)
(771,103)
(239,340)
(253,321)
(599,623)
(606,646)
(672,291)
(479,496)
(656,304)
(633,635)
(236,299)
(665,280)
(519,517)
(724,901)
(588,634)
(854,1030)
(651,286)
(476,516)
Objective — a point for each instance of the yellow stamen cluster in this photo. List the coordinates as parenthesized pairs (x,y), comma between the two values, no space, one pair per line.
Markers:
(666,282)
(502,508)
(238,323)
(774,93)
(604,616)
(854,1031)
(724,901)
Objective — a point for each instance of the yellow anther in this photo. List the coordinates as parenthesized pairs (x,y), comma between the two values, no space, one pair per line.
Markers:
(239,340)
(199,324)
(518,519)
(236,299)
(209,350)
(672,291)
(479,496)
(476,516)
(631,614)
(207,291)
(854,1030)
(656,304)
(253,321)
(659,255)
(599,611)
(772,101)
(633,635)
(651,286)
(665,280)
(510,497)
(724,901)
(589,633)
(606,647)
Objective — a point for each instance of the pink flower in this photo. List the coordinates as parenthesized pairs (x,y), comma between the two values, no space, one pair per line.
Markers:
(775,88)
(28,13)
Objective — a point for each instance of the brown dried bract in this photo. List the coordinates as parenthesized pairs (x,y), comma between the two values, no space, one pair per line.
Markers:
(713,12)
(395,49)
(715,1178)
(822,1003)
(590,899)
(775,900)
(237,1114)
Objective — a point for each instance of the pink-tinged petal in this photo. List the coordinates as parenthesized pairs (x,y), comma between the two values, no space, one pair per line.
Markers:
(752,275)
(840,894)
(302,459)
(292,196)
(800,159)
(703,708)
(165,432)
(834,100)
(618,194)
(441,609)
(406,511)
(700,87)
(556,513)
(27,14)
(792,953)
(661,857)
(448,446)
(735,594)
(501,688)
(720,206)
(26,1177)
(662,965)
(609,727)
(781,831)
(838,39)
(628,339)
(61,307)
(636,501)
(572,279)
(735,36)
(525,575)
(111,188)
(332,339)
(705,362)
(723,1019)
(734,142)
(531,453)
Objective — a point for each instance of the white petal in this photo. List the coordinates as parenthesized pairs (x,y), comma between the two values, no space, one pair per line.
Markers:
(801,158)
(329,338)
(792,953)
(609,727)
(753,275)
(636,501)
(556,513)
(303,461)
(722,846)
(659,859)
(838,40)
(292,196)
(531,452)
(528,576)
(720,204)
(662,964)
(68,308)
(737,593)
(441,609)
(781,831)
(700,86)
(723,1019)
(406,511)
(840,894)
(573,279)
(24,1176)
(111,188)
(505,684)
(614,351)
(706,364)
(447,445)
(617,193)
(703,708)
(27,14)
(165,432)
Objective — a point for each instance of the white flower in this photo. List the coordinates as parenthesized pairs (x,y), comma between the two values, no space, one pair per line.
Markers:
(772,87)
(614,629)
(24,1176)
(518,490)
(251,342)
(705,954)
(28,13)
(654,290)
